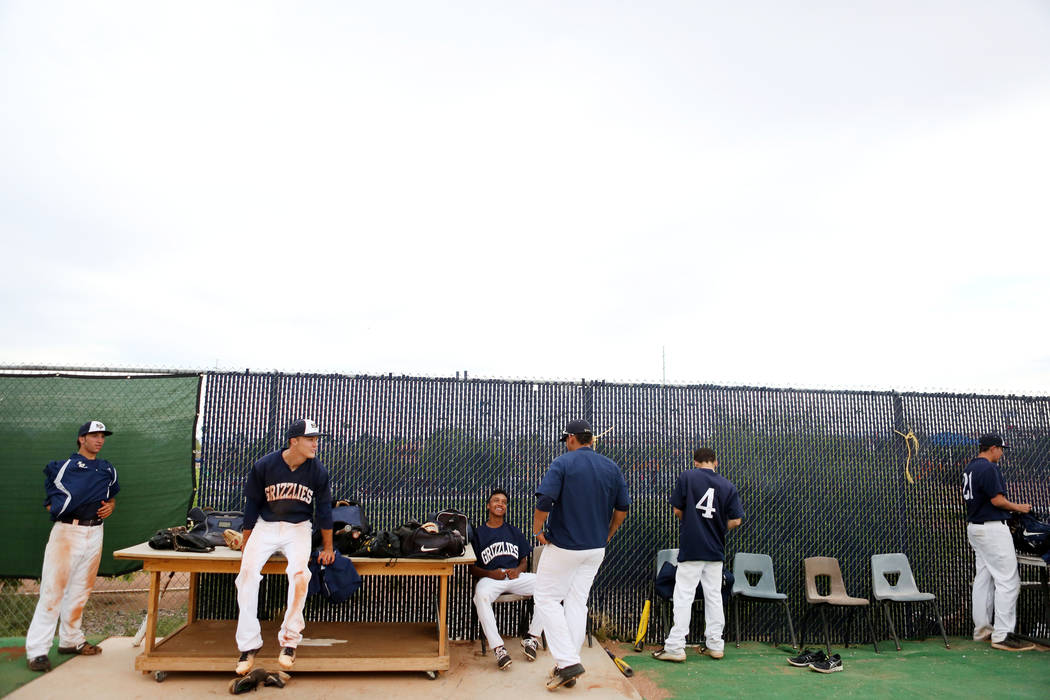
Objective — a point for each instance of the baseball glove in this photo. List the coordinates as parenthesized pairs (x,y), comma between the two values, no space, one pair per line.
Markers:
(234,539)
(257,677)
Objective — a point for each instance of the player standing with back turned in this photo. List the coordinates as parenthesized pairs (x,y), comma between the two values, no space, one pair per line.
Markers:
(708,506)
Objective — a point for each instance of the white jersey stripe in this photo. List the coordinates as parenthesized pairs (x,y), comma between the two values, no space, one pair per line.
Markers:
(63,489)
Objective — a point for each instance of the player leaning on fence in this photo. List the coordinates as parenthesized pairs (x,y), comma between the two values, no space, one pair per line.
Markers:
(583,500)
(708,506)
(80,494)
(997,582)
(281,492)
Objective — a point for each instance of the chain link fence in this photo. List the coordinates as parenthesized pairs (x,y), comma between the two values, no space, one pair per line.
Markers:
(821,473)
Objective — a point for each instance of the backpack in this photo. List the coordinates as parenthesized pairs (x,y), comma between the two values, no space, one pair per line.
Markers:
(425,542)
(336,581)
(1031,533)
(210,524)
(663,586)
(453,520)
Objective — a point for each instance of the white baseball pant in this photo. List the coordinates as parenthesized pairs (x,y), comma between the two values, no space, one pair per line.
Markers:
(565,575)
(487,590)
(689,574)
(70,566)
(997,582)
(267,538)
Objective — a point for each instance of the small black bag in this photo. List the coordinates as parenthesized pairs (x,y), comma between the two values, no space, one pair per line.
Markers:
(381,544)
(453,520)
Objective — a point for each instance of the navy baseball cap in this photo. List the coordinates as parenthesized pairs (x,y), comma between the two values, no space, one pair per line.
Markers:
(991,440)
(575,427)
(93,426)
(304,427)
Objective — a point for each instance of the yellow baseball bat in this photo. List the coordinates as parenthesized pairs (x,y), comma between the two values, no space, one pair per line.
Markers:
(643,627)
(624,667)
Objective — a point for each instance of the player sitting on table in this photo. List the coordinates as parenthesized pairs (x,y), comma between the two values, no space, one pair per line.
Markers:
(280,493)
(502,554)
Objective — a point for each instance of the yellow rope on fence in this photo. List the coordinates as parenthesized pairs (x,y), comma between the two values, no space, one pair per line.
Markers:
(909,438)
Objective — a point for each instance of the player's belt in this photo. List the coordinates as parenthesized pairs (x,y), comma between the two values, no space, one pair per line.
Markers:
(81,521)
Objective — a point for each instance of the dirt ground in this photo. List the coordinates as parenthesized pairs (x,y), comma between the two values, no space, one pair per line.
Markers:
(112,675)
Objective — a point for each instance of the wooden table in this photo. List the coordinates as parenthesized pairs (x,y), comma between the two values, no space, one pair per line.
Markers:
(209,645)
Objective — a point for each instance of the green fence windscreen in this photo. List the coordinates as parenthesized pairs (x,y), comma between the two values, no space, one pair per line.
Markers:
(153,421)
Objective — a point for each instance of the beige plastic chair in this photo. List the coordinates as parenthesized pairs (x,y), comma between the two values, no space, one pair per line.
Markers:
(836,597)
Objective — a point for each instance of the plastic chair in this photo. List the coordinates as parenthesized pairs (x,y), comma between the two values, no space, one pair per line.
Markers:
(764,589)
(526,607)
(904,591)
(836,597)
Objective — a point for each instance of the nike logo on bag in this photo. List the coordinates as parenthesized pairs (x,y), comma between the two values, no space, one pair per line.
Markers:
(1026,533)
(429,549)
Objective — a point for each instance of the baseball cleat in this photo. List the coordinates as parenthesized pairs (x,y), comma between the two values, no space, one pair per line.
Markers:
(1012,643)
(562,676)
(831,664)
(528,647)
(713,653)
(664,655)
(83,649)
(39,663)
(287,657)
(807,657)
(503,659)
(247,660)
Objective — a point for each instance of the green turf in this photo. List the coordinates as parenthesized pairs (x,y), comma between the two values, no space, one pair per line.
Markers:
(13,670)
(921,669)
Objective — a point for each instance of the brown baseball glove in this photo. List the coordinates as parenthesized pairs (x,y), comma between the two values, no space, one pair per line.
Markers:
(234,539)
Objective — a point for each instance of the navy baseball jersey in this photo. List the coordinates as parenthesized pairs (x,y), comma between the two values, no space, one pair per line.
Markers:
(500,547)
(76,487)
(982,481)
(274,492)
(708,501)
(580,491)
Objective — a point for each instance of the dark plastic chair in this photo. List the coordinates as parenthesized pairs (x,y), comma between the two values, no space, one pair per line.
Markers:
(764,589)
(883,566)
(836,597)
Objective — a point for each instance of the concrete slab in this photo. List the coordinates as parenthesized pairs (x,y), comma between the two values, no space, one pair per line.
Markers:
(111,675)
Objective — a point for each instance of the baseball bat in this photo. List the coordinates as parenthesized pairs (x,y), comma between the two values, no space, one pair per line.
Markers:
(142,628)
(643,627)
(624,667)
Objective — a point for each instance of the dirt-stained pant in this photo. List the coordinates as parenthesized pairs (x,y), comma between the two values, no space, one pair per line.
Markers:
(68,575)
(267,538)
(996,584)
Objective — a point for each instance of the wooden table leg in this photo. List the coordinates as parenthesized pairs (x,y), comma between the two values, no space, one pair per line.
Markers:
(151,610)
(191,602)
(442,617)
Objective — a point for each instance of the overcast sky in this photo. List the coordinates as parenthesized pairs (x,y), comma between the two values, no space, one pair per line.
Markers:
(773,193)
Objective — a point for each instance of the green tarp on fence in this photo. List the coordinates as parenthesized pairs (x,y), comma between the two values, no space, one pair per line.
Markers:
(153,421)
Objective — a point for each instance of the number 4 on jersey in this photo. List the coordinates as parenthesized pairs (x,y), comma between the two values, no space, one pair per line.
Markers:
(706,504)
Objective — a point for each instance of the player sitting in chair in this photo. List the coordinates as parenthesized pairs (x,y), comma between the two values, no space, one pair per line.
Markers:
(502,554)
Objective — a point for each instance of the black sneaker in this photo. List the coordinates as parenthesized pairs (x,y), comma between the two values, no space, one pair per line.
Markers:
(39,663)
(807,657)
(503,659)
(1012,643)
(829,665)
(564,676)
